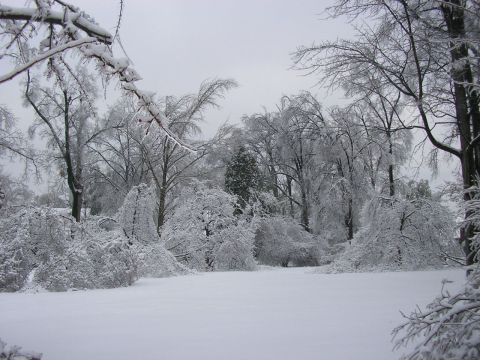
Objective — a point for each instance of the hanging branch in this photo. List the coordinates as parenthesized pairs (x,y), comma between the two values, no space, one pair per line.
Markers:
(96,46)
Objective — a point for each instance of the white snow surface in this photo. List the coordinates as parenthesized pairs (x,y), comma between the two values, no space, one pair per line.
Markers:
(269,314)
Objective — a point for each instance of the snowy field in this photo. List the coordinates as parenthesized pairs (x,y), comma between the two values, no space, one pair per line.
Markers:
(270,314)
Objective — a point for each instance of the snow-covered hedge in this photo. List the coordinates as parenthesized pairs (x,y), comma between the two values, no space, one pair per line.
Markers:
(401,234)
(279,241)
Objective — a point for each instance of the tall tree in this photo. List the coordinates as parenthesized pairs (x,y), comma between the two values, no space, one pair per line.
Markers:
(65,112)
(423,50)
(170,163)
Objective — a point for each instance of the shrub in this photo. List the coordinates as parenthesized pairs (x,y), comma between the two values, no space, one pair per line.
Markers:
(280,241)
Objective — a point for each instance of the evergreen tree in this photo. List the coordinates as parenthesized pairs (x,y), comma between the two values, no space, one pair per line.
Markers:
(242,176)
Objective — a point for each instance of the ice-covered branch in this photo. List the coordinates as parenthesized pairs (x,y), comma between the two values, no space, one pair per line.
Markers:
(56,18)
(43,56)
(95,46)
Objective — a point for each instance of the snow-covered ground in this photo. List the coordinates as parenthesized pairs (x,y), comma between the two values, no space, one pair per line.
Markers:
(271,314)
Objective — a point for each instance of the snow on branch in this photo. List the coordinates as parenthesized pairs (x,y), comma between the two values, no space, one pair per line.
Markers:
(75,24)
(127,77)
(44,56)
(57,18)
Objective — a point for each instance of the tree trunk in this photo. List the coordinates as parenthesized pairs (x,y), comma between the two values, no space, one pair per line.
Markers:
(73,177)
(161,203)
(349,220)
(77,203)
(289,192)
(455,21)
(163,187)
(391,180)
(305,221)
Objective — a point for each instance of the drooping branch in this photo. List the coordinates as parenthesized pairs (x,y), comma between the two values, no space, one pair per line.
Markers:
(44,56)
(56,18)
(96,47)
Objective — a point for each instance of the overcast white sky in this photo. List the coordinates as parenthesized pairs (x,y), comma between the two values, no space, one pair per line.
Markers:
(176,44)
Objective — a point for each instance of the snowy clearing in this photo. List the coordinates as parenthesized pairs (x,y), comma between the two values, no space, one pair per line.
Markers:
(271,314)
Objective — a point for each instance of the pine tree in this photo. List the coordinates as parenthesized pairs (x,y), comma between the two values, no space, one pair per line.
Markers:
(242,176)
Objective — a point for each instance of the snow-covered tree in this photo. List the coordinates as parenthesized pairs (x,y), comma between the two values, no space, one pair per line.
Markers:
(428,52)
(203,229)
(242,177)
(65,115)
(401,234)
(169,164)
(118,158)
(284,143)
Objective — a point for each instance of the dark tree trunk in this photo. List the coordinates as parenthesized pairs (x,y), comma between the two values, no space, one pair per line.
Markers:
(455,21)
(75,186)
(163,185)
(162,201)
(274,180)
(349,220)
(77,204)
(273,174)
(289,192)
(305,221)
(391,180)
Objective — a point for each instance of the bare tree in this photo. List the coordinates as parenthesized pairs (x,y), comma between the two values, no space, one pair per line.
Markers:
(118,160)
(66,114)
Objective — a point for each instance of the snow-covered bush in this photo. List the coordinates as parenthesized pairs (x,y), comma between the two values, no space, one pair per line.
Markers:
(448,329)
(400,234)
(136,214)
(93,258)
(156,261)
(203,228)
(279,241)
(136,218)
(96,253)
(51,250)
(28,237)
(14,264)
(234,248)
